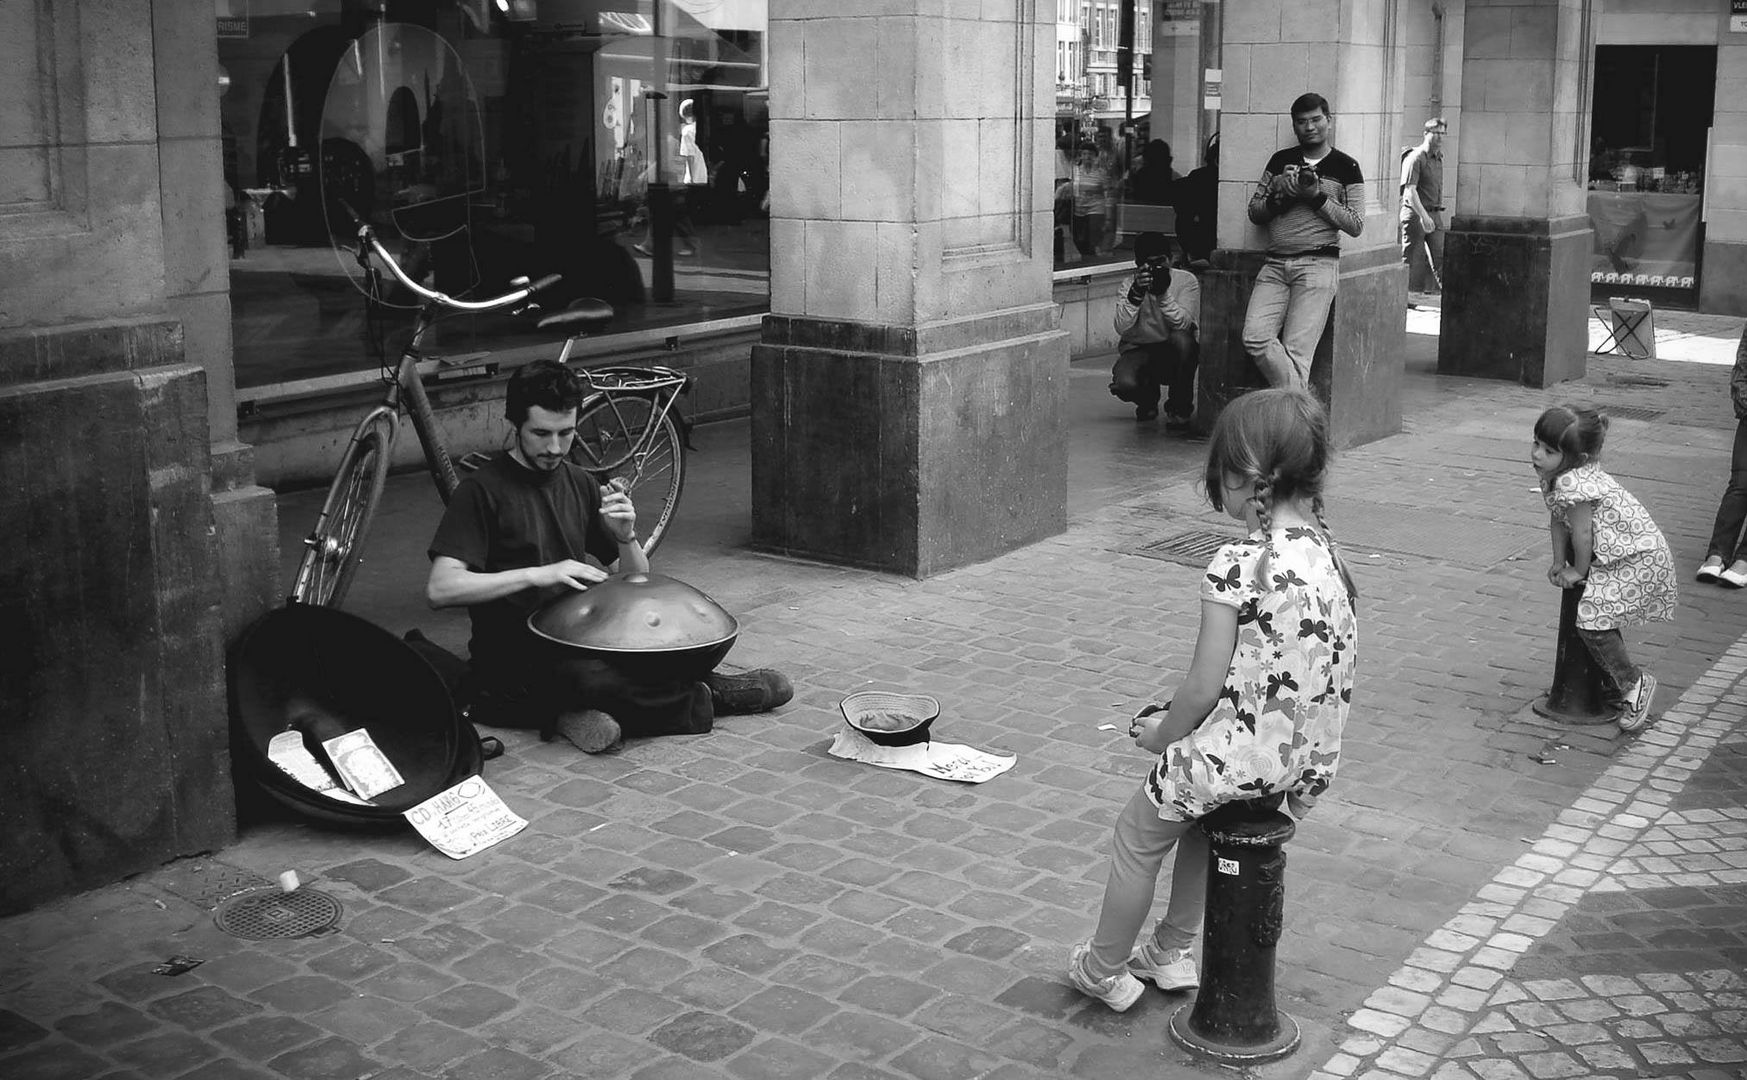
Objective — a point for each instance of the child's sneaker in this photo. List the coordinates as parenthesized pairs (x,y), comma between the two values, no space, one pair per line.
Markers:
(1119,991)
(1167,969)
(1637,713)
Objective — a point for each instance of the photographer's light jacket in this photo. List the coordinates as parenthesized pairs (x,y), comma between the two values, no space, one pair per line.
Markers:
(1153,319)
(1310,227)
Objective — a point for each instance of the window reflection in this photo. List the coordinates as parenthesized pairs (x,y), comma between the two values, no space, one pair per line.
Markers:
(487,139)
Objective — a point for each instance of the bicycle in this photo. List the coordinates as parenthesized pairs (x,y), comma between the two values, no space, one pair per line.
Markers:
(628,426)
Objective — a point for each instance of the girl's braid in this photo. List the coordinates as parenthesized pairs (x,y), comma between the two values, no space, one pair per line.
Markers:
(1265,516)
(1334,549)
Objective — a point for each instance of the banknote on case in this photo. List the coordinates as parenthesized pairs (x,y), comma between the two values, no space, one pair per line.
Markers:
(362,764)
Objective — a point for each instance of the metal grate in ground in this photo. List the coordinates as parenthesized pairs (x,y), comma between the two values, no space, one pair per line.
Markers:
(1193,547)
(271,913)
(1631,412)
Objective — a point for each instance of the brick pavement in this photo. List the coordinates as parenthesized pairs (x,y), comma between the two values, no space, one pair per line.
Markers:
(1482,894)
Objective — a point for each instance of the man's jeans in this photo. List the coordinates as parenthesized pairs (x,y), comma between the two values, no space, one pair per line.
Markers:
(1414,240)
(1726,538)
(1287,312)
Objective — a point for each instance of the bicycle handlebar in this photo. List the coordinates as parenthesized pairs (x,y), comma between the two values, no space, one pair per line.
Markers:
(367,239)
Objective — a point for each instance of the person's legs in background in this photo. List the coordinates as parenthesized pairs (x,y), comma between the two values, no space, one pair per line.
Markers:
(1312,280)
(1726,558)
(1135,378)
(1266,314)
(1181,356)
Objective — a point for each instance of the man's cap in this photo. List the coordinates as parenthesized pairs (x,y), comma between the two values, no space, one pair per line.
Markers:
(1437,123)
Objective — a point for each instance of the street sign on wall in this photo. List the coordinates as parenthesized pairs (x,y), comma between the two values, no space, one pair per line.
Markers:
(1738,16)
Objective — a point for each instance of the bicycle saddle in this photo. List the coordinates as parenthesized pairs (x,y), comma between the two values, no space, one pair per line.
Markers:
(585,313)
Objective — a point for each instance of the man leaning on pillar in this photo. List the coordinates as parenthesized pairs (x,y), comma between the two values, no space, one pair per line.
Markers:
(1308,195)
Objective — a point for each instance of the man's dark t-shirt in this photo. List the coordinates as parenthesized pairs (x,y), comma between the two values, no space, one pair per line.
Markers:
(506,516)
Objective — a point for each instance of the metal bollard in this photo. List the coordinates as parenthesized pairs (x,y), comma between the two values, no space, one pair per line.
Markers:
(1233,1018)
(1579,691)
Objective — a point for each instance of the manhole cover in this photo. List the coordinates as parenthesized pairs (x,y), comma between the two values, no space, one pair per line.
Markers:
(1631,412)
(264,914)
(1194,547)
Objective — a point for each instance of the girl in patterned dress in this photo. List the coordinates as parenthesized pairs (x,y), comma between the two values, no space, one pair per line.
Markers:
(1602,539)
(1260,711)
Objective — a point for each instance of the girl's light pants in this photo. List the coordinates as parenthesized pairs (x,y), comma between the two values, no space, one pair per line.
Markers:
(1137,852)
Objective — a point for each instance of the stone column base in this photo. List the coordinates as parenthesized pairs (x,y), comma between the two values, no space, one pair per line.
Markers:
(1516,299)
(1722,285)
(909,450)
(1357,369)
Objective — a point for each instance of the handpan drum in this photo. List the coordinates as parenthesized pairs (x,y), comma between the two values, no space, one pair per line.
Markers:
(642,622)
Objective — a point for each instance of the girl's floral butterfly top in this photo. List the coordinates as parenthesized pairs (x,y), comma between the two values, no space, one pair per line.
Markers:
(1276,726)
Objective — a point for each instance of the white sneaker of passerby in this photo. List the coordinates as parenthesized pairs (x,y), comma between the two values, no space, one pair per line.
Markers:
(1637,711)
(1736,574)
(1711,569)
(1167,969)
(1119,991)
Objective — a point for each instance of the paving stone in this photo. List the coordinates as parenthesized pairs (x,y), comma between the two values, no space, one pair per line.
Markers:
(562,989)
(702,1036)
(55,1060)
(748,953)
(370,875)
(351,961)
(632,1012)
(888,994)
(168,1053)
(216,1070)
(987,942)
(600,1056)
(778,1059)
(534,1030)
(440,942)
(431,1046)
(261,1037)
(108,1023)
(365,1020)
(330,1059)
(648,968)
(17,1032)
(467,1006)
(498,1063)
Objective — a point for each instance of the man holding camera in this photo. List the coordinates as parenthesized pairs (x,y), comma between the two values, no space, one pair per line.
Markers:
(1308,195)
(1157,316)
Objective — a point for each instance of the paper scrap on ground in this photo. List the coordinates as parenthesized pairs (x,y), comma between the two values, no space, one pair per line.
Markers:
(287,751)
(946,761)
(467,818)
(362,764)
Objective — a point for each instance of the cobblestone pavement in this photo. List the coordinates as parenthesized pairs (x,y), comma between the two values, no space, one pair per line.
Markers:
(1483,893)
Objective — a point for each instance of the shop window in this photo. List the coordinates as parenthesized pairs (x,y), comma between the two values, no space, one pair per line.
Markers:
(487,140)
(1650,135)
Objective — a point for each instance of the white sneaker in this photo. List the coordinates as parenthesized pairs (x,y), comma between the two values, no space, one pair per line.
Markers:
(1119,991)
(1167,969)
(1736,575)
(1637,713)
(1711,569)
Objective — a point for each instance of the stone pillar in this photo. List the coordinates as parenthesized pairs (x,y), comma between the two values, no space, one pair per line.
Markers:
(1723,271)
(1516,260)
(112,700)
(1273,52)
(909,392)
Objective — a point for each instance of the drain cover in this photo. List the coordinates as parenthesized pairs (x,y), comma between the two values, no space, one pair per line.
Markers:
(1194,547)
(264,914)
(1631,412)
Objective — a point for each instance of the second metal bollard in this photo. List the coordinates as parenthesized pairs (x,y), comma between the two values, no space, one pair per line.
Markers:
(1579,691)
(1233,1018)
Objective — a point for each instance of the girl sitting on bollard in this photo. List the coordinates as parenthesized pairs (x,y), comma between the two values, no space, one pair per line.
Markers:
(1261,708)
(1603,538)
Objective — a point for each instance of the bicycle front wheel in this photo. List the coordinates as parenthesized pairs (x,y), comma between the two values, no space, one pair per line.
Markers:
(628,436)
(333,549)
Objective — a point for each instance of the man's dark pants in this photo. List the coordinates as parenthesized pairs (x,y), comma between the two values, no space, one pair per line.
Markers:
(1141,370)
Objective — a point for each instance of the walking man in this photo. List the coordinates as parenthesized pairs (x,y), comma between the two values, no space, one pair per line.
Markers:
(1422,198)
(1308,195)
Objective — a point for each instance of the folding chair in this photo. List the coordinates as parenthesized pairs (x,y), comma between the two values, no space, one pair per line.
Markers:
(1630,325)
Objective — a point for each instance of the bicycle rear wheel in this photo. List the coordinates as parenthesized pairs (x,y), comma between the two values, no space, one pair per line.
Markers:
(615,438)
(334,547)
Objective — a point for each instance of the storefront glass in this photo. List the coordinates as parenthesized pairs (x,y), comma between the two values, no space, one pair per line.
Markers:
(486,140)
(1120,164)
(1650,138)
